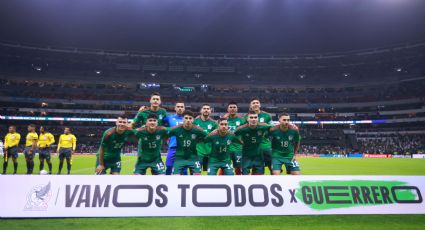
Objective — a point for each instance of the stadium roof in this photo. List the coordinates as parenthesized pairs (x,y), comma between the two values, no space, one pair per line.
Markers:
(218,26)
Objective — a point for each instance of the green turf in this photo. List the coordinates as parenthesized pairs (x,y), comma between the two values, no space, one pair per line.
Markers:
(309,166)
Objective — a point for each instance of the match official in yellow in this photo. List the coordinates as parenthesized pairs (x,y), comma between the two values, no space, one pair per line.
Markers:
(30,147)
(11,142)
(66,147)
(45,140)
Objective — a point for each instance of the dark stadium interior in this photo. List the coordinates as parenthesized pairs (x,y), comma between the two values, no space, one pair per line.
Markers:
(329,70)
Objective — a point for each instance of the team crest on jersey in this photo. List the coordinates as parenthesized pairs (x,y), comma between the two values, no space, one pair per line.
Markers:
(262,119)
(217,142)
(238,123)
(229,142)
(290,138)
(181,136)
(38,198)
(247,135)
(193,136)
(160,116)
(278,138)
(209,126)
(260,133)
(158,137)
(145,138)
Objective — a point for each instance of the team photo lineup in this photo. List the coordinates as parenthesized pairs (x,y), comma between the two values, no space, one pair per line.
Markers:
(232,145)
(212,114)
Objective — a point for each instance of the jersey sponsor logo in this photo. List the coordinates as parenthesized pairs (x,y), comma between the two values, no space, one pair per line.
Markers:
(38,198)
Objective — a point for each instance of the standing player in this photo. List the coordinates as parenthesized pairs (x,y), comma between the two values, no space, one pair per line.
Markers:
(263,117)
(150,141)
(66,147)
(30,147)
(187,136)
(173,120)
(155,108)
(206,123)
(252,135)
(45,140)
(11,142)
(234,121)
(285,146)
(221,140)
(109,153)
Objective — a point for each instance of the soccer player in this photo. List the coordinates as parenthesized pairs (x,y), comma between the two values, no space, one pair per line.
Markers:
(150,141)
(187,136)
(66,147)
(30,147)
(252,135)
(173,120)
(155,108)
(285,146)
(234,121)
(109,153)
(11,142)
(206,123)
(221,140)
(263,117)
(45,140)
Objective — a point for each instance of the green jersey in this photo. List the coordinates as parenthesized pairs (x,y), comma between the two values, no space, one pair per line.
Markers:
(208,125)
(283,142)
(112,143)
(264,117)
(141,117)
(220,146)
(235,122)
(187,140)
(150,143)
(252,138)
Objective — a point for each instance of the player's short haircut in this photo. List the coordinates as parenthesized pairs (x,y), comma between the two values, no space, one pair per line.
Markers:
(254,99)
(123,117)
(252,112)
(232,103)
(189,113)
(206,104)
(155,94)
(222,119)
(283,114)
(152,116)
(31,125)
(66,127)
(12,126)
(180,101)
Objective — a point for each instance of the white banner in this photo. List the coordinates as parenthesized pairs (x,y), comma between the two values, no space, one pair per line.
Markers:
(418,156)
(109,196)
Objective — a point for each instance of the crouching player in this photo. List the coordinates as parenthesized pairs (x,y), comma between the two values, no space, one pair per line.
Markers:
(150,140)
(187,136)
(285,144)
(109,154)
(221,140)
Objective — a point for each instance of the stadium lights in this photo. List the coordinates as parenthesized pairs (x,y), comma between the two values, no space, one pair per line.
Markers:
(249,76)
(346,74)
(301,76)
(398,69)
(153,74)
(98,72)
